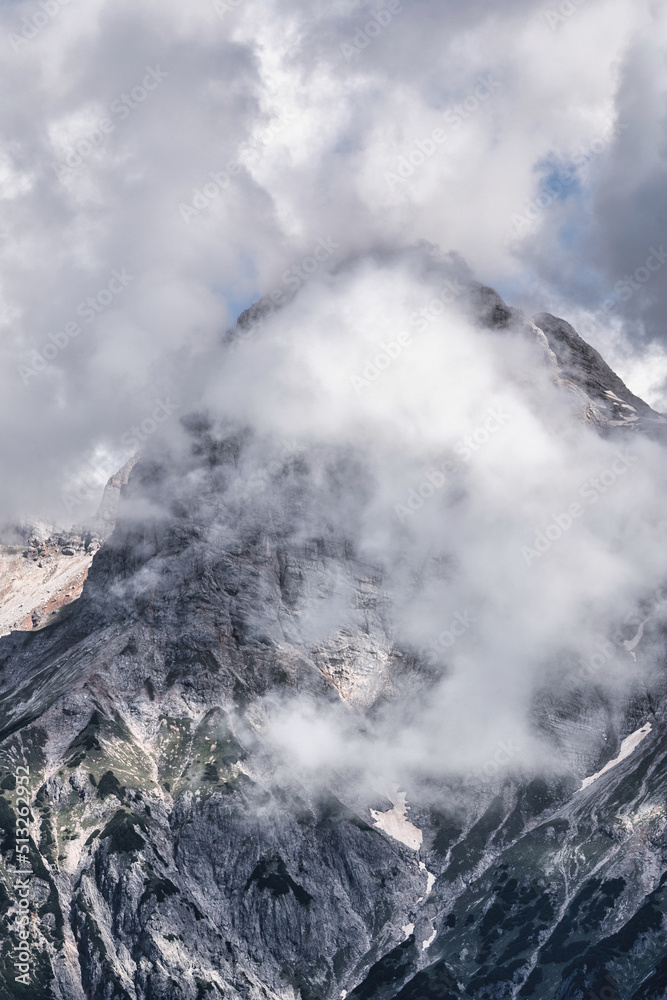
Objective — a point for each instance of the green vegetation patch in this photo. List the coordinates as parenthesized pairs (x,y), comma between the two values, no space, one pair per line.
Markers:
(200,759)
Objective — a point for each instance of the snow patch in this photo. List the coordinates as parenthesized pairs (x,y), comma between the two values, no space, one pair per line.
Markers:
(429,941)
(430,881)
(395,823)
(627,746)
(631,643)
(408,930)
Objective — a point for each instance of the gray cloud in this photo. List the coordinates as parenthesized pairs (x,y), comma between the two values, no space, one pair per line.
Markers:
(312,133)
(496,543)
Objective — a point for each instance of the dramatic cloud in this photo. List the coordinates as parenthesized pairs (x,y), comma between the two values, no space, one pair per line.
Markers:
(162,166)
(510,542)
(462,553)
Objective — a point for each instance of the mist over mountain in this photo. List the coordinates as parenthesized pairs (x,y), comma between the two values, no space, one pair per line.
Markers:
(365,693)
(164,167)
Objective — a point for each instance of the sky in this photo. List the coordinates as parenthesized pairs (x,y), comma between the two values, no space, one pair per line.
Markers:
(164,165)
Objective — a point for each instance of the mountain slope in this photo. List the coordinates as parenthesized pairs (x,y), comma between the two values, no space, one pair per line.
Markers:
(176,852)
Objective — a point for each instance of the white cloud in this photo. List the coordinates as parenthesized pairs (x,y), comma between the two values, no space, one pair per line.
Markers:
(508,537)
(348,121)
(311,135)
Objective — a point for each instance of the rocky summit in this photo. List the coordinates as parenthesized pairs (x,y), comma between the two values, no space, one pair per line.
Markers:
(177,848)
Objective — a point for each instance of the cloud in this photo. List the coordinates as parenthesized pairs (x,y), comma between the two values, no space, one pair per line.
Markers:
(443,126)
(118,114)
(450,525)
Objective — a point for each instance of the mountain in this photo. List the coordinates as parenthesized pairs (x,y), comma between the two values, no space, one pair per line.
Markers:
(43,568)
(176,850)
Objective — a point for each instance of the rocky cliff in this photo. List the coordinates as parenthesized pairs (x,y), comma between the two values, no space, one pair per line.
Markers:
(43,567)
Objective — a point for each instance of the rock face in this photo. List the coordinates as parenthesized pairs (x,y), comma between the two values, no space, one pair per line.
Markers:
(585,368)
(40,578)
(606,400)
(175,854)
(46,571)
